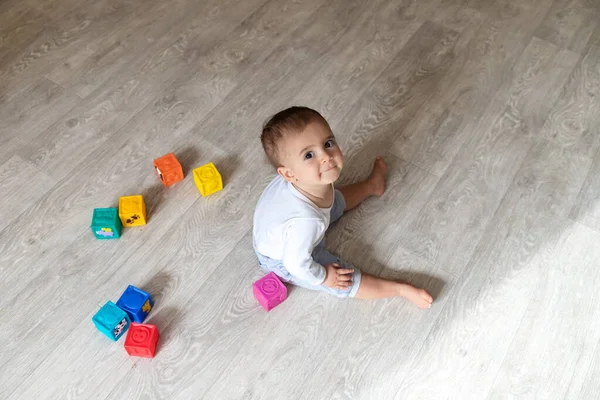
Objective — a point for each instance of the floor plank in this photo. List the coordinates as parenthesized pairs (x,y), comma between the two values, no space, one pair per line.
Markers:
(215,76)
(400,90)
(590,386)
(18,23)
(74,27)
(508,265)
(394,332)
(440,127)
(575,116)
(570,23)
(115,367)
(181,36)
(450,224)
(279,85)
(587,208)
(352,68)
(565,294)
(41,104)
(17,195)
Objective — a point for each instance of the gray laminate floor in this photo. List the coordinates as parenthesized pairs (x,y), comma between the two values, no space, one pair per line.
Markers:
(488,113)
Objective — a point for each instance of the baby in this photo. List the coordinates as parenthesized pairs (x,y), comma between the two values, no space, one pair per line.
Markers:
(298,206)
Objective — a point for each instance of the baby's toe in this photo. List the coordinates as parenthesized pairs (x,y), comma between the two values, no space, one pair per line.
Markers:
(426,296)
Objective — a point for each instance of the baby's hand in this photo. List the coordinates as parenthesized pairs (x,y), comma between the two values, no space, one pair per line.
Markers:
(338,277)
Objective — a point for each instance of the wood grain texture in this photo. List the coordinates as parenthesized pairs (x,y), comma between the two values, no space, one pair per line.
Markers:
(176,112)
(18,23)
(175,343)
(439,128)
(70,31)
(574,118)
(587,207)
(350,370)
(591,385)
(566,293)
(17,196)
(351,68)
(42,103)
(407,188)
(486,112)
(172,41)
(458,211)
(126,169)
(291,65)
(469,342)
(221,339)
(55,10)
(400,90)
(570,23)
(214,76)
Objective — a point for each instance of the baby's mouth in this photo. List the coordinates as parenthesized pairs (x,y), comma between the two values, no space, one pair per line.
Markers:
(329,169)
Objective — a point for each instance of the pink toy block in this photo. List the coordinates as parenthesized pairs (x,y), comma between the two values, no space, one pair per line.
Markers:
(269,291)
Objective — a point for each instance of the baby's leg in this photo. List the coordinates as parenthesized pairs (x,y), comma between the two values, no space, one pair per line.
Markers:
(372,287)
(356,193)
(369,286)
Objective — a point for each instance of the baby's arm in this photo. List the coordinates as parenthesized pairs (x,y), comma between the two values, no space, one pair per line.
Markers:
(297,257)
(299,242)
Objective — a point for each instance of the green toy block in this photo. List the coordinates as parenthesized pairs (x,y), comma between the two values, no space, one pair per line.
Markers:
(106,223)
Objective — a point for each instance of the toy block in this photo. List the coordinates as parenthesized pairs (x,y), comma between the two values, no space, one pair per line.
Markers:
(168,169)
(269,291)
(132,210)
(136,303)
(106,223)
(112,321)
(208,179)
(141,340)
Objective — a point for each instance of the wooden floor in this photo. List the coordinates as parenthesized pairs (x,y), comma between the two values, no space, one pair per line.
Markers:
(488,112)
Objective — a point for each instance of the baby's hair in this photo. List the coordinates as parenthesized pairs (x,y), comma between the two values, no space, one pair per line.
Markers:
(292,120)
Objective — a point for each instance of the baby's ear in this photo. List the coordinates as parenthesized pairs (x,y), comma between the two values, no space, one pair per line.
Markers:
(286,173)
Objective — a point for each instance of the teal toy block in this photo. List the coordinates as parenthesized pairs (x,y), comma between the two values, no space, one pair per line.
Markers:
(106,223)
(112,321)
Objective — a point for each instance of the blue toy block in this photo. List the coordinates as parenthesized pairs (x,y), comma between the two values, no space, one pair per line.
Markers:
(136,303)
(112,321)
(106,223)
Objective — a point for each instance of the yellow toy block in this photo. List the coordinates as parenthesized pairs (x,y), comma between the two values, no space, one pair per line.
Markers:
(208,179)
(132,210)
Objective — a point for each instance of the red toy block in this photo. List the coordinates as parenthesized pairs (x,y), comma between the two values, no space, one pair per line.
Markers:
(168,169)
(141,340)
(269,291)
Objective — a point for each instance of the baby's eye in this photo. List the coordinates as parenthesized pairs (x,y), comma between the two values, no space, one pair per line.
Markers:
(329,143)
(308,155)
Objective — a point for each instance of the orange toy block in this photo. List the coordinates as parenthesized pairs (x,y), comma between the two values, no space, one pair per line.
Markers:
(168,169)
(208,179)
(132,210)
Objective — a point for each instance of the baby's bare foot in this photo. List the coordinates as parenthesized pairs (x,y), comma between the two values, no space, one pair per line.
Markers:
(377,178)
(418,296)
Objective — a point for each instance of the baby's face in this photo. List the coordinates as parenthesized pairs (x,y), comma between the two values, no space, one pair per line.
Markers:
(312,158)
